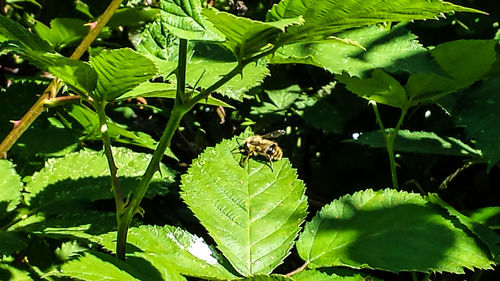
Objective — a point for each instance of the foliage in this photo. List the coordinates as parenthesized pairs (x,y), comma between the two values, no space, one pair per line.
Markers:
(188,77)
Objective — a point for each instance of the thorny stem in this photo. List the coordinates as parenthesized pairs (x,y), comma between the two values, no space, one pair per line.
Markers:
(113,169)
(55,85)
(297,270)
(389,139)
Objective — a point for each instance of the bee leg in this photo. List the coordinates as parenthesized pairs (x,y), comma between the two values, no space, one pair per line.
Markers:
(242,163)
(271,163)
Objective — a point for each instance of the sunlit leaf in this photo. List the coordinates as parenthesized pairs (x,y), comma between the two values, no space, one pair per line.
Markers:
(389,230)
(245,37)
(252,212)
(104,267)
(84,175)
(208,63)
(381,88)
(172,247)
(135,16)
(83,224)
(393,50)
(91,130)
(183,19)
(10,187)
(463,63)
(62,31)
(119,71)
(324,18)
(8,272)
(310,275)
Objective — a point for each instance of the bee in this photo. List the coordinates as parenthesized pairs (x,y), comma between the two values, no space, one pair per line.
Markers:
(262,145)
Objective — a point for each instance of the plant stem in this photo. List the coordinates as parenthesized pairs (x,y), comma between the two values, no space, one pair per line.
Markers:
(389,139)
(133,207)
(176,115)
(181,72)
(55,85)
(113,169)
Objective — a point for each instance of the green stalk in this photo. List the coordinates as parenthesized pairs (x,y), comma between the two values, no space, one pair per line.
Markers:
(113,169)
(133,207)
(176,115)
(389,139)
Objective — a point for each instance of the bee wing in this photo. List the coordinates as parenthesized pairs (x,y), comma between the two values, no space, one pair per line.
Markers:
(274,134)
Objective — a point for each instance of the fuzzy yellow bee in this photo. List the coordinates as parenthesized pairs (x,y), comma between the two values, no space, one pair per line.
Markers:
(262,145)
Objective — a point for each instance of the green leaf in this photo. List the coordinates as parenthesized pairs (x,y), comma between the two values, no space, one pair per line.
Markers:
(165,90)
(253,213)
(13,31)
(76,74)
(324,18)
(208,63)
(84,175)
(267,278)
(283,98)
(62,31)
(487,236)
(184,252)
(420,142)
(489,216)
(329,110)
(463,61)
(99,266)
(394,50)
(135,16)
(183,19)
(310,275)
(477,111)
(10,187)
(389,230)
(119,71)
(91,130)
(12,242)
(8,272)
(381,88)
(69,222)
(245,37)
